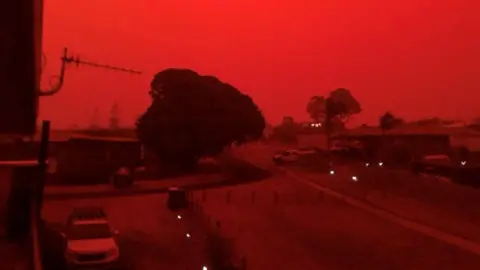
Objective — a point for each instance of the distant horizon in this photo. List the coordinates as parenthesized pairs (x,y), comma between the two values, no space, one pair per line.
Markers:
(102,127)
(418,59)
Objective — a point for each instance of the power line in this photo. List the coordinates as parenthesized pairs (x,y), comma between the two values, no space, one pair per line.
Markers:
(65,59)
(79,62)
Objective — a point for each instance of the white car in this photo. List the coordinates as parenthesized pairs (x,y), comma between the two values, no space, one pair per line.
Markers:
(343,146)
(290,156)
(90,242)
(338,146)
(438,158)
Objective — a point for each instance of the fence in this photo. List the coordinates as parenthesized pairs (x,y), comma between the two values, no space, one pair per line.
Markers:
(263,197)
(224,240)
(222,249)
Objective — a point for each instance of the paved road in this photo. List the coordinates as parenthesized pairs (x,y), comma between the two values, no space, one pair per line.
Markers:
(151,237)
(298,228)
(439,204)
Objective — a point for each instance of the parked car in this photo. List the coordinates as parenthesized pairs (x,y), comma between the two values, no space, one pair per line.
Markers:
(292,156)
(177,199)
(122,177)
(439,164)
(90,241)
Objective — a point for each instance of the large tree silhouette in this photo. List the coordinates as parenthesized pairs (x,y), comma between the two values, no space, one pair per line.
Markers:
(389,121)
(392,152)
(192,116)
(334,110)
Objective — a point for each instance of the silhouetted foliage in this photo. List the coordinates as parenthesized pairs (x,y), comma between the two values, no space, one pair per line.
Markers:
(287,131)
(396,153)
(192,116)
(389,121)
(268,132)
(333,111)
(339,106)
(343,105)
(316,108)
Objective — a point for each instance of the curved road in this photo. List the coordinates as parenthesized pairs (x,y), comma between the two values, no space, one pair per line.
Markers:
(280,224)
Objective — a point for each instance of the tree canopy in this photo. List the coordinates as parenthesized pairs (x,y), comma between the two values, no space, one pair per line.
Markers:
(388,121)
(338,106)
(286,132)
(192,116)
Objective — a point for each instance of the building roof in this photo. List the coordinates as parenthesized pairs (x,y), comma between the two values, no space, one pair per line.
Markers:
(102,138)
(65,135)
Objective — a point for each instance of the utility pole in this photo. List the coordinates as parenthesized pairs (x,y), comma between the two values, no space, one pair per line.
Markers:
(94,122)
(114,118)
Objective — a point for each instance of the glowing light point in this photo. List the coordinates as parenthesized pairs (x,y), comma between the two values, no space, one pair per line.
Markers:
(354,178)
(179,217)
(380,164)
(332,172)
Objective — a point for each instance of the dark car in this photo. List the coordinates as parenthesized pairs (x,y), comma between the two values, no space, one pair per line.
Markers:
(177,199)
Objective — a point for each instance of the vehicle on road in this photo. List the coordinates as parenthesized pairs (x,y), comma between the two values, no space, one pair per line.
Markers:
(177,199)
(89,240)
(371,164)
(292,156)
(439,164)
(339,146)
(122,177)
(353,148)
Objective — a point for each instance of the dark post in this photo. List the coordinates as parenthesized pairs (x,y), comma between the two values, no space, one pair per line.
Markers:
(42,165)
(329,107)
(20,65)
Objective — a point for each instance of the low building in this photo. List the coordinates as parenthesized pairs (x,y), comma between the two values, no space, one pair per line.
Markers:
(86,155)
(416,141)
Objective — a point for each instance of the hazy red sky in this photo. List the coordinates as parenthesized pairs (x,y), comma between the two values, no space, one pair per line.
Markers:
(415,57)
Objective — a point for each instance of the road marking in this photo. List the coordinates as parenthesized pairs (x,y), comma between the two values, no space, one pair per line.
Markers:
(459,242)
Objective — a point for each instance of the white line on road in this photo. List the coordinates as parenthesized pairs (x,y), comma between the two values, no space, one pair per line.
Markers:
(462,243)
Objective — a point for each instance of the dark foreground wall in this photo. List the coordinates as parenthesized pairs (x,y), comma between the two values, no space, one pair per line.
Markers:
(20,64)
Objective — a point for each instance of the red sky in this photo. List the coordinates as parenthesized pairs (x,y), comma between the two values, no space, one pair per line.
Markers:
(418,58)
